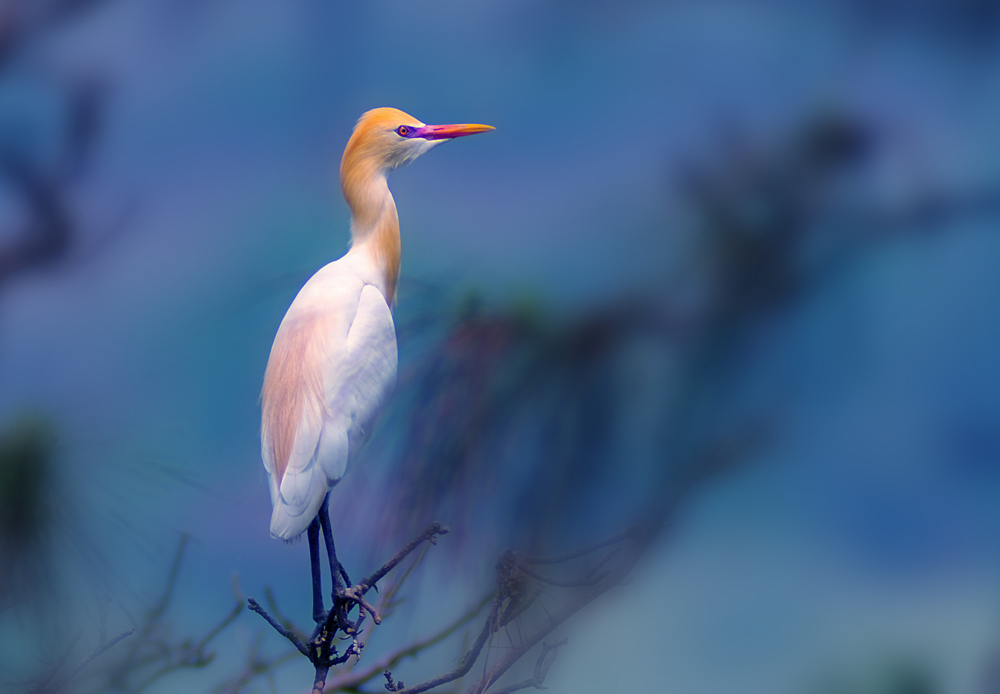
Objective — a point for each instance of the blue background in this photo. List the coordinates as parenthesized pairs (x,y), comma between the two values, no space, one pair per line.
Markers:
(861,540)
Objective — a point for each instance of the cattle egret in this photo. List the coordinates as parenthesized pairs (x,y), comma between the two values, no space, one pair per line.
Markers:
(333,362)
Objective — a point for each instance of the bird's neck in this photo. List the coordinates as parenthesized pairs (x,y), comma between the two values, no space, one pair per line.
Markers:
(374,223)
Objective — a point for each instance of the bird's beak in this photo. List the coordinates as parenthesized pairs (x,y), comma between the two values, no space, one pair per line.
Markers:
(446,132)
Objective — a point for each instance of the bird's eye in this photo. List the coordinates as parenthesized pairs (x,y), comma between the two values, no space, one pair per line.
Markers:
(402,131)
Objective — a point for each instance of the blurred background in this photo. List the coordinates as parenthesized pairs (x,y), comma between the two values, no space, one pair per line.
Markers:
(733,266)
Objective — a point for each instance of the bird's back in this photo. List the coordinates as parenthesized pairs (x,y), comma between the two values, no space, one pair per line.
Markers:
(332,367)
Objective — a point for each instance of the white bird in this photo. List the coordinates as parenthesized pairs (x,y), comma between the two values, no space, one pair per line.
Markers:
(333,362)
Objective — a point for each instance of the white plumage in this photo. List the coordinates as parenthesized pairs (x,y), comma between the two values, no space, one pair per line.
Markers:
(333,362)
(343,309)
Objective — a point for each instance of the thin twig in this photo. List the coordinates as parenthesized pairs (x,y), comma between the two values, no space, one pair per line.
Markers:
(320,649)
(353,680)
(429,535)
(528,642)
(583,582)
(252,604)
(45,683)
(467,660)
(94,654)
(272,606)
(630,533)
(545,660)
(226,621)
(515,610)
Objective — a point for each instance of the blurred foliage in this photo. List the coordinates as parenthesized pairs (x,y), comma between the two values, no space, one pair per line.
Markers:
(972,24)
(87,660)
(25,463)
(154,652)
(895,676)
(26,504)
(497,373)
(522,393)
(44,185)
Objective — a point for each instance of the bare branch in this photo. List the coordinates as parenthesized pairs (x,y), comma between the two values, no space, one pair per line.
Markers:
(514,595)
(226,621)
(429,535)
(320,649)
(353,680)
(587,580)
(545,660)
(101,649)
(468,658)
(631,533)
(272,606)
(554,620)
(253,605)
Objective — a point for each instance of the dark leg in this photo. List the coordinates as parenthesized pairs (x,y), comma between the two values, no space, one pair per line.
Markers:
(319,614)
(336,569)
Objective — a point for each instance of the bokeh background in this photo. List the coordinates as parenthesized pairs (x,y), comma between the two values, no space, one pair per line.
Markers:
(740,258)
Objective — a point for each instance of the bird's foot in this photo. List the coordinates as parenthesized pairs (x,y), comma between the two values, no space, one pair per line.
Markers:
(356,595)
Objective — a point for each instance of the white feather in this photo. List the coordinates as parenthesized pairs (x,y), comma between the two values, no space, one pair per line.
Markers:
(333,362)
(342,306)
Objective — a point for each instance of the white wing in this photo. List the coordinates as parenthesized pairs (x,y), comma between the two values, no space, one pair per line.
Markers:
(359,382)
(337,345)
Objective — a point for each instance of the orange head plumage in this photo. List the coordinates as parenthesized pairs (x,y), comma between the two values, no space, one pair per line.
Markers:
(385,138)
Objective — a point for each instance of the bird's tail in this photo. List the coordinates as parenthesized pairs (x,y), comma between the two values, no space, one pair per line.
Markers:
(289,519)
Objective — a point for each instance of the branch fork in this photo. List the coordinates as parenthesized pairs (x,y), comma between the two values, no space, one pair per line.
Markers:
(321,649)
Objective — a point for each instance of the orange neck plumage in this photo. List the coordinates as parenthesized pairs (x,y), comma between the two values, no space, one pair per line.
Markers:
(374,222)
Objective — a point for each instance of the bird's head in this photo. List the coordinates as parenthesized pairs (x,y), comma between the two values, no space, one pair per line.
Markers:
(385,138)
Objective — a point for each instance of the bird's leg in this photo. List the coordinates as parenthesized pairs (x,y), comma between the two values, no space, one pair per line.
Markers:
(336,568)
(338,605)
(319,614)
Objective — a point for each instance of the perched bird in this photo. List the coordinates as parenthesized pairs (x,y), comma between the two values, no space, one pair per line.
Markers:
(333,362)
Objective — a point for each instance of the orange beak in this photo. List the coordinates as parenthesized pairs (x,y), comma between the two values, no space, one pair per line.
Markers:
(447,132)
